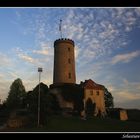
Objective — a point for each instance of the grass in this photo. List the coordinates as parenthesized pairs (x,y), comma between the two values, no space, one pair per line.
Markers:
(75,124)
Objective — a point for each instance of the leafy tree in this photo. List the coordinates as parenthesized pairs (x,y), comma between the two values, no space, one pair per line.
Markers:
(32,97)
(16,95)
(108,99)
(48,102)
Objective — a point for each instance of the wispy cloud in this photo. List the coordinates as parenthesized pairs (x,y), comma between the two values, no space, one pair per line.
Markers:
(5,60)
(18,15)
(99,32)
(4,88)
(14,75)
(125,93)
(131,86)
(26,58)
(42,52)
(23,55)
(45,48)
(125,58)
(96,30)
(126,99)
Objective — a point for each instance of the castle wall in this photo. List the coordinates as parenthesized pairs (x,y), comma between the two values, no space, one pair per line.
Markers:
(97,97)
(62,102)
(123,115)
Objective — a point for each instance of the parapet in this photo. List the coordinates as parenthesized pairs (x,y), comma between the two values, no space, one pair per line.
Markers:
(64,40)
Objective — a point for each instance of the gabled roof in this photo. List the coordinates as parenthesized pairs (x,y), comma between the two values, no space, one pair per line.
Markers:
(90,84)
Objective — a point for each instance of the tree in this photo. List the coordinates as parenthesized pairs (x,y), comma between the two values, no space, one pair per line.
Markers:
(16,95)
(108,99)
(48,103)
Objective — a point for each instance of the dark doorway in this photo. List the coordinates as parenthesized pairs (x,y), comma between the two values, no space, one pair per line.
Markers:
(90,108)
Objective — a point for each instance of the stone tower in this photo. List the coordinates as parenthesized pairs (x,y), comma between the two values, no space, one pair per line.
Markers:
(64,62)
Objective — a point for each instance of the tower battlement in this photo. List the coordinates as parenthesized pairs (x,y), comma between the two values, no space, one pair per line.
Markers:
(64,40)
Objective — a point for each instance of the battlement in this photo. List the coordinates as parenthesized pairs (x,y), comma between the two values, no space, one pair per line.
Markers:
(63,40)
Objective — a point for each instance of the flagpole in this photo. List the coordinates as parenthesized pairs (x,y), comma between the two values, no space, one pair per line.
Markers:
(60,28)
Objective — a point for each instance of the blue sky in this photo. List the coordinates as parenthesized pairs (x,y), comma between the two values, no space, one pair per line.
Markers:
(106,47)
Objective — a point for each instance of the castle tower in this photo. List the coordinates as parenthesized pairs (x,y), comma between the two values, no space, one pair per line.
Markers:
(64,62)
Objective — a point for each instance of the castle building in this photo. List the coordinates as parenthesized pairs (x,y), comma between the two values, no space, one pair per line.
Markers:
(64,62)
(93,93)
(64,85)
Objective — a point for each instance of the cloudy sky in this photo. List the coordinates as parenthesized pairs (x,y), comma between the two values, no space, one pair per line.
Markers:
(107,47)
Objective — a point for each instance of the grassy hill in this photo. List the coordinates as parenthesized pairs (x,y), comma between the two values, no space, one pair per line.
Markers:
(75,124)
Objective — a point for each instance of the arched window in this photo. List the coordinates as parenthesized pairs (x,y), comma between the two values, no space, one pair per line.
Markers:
(69,61)
(69,75)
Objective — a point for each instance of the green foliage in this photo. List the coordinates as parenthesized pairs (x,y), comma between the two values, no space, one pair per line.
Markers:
(108,99)
(48,102)
(16,95)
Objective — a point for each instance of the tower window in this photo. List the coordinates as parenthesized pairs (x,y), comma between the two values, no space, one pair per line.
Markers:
(91,92)
(69,61)
(97,92)
(69,75)
(69,49)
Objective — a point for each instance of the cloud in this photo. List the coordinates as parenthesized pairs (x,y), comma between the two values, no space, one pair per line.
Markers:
(126,99)
(42,52)
(125,81)
(5,60)
(4,88)
(96,30)
(23,55)
(131,86)
(77,49)
(126,95)
(44,49)
(99,30)
(124,58)
(26,58)
(111,88)
(14,75)
(108,31)
(122,96)
(18,15)
(133,104)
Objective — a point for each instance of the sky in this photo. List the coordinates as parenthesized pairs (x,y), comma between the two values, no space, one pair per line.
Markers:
(107,48)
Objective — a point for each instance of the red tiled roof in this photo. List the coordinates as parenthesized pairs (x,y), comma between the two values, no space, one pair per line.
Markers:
(90,84)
